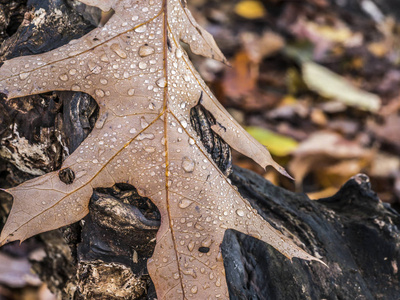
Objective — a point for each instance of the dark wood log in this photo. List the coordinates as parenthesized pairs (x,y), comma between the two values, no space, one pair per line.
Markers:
(104,255)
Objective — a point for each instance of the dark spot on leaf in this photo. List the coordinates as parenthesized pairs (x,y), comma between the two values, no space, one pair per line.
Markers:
(204,249)
(169,45)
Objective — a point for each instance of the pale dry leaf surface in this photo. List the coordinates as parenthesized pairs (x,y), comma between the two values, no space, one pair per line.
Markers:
(145,86)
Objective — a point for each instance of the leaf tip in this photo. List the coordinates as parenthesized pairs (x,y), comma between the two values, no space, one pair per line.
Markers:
(226,62)
(282,171)
(320,261)
(4,240)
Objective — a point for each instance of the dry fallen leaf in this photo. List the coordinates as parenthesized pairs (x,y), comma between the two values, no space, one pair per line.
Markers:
(145,86)
(331,157)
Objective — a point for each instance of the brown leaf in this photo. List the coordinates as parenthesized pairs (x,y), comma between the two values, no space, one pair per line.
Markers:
(145,85)
(330,156)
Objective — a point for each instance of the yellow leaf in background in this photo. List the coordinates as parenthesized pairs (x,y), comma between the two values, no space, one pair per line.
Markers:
(250,9)
(333,86)
(288,100)
(278,145)
(338,35)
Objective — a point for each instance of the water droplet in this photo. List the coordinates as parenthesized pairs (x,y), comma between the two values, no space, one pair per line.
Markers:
(143,122)
(43,202)
(176,276)
(133,130)
(149,149)
(144,136)
(142,65)
(80,174)
(72,71)
(178,53)
(131,92)
(218,282)
(240,212)
(191,141)
(194,289)
(190,272)
(161,82)
(146,51)
(99,93)
(191,246)
(64,77)
(141,29)
(23,76)
(184,203)
(117,49)
(198,226)
(73,53)
(104,58)
(206,243)
(76,87)
(188,164)
(103,81)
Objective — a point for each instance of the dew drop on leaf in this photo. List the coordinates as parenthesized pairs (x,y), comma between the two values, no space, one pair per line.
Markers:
(162,82)
(99,93)
(142,65)
(191,246)
(188,164)
(240,212)
(64,77)
(146,51)
(141,29)
(143,123)
(117,49)
(194,289)
(184,203)
(178,53)
(23,76)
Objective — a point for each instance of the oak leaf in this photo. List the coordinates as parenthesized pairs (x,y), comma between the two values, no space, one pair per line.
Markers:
(145,86)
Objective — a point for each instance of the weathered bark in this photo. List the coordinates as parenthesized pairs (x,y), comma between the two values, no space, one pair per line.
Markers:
(104,256)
